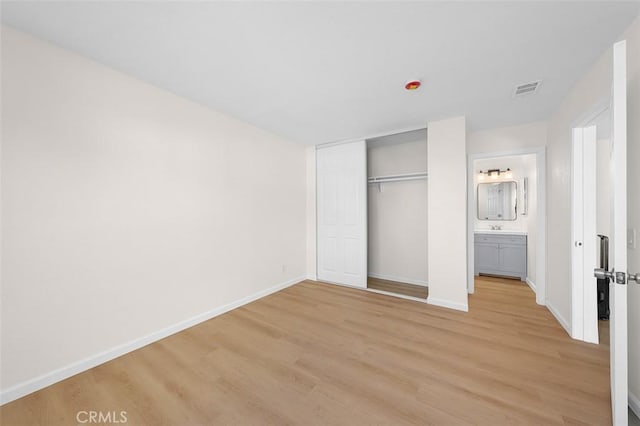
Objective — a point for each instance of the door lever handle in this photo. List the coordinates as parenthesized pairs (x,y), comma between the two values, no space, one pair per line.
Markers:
(602,274)
(618,277)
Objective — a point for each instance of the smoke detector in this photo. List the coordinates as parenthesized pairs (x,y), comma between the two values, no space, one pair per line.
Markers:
(412,85)
(527,88)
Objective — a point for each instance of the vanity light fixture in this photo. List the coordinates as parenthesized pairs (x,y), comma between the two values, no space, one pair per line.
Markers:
(495,174)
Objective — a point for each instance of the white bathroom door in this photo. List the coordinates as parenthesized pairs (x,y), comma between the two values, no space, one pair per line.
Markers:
(342,213)
(618,285)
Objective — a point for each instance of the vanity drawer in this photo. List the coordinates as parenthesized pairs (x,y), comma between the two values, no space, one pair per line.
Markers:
(501,239)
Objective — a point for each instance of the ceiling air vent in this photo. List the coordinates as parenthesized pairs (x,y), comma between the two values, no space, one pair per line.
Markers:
(527,88)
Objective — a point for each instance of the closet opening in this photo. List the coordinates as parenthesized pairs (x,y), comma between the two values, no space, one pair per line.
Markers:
(397,189)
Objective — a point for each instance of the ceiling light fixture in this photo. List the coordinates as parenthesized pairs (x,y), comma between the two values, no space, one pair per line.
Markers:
(413,85)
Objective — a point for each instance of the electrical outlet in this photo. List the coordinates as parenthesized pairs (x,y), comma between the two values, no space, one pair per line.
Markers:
(631,238)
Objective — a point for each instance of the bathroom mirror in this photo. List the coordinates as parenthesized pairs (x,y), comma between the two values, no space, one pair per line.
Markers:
(497,201)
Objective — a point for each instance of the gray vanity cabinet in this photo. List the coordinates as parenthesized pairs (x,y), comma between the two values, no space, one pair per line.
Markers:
(501,254)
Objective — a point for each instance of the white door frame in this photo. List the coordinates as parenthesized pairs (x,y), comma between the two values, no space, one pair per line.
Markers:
(584,315)
(584,303)
(541,220)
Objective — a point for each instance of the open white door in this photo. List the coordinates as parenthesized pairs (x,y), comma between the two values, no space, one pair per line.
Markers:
(342,213)
(618,289)
(618,276)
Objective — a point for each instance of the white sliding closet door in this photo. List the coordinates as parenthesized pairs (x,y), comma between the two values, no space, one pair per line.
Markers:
(342,213)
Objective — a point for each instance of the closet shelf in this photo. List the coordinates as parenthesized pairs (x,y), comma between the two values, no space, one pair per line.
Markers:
(396,178)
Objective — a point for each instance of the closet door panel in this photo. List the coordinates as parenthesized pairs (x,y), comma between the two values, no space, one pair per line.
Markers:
(342,214)
(330,255)
(352,259)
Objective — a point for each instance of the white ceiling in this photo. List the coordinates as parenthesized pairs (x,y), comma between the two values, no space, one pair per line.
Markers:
(318,72)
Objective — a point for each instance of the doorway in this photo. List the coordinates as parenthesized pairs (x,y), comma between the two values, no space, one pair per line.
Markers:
(591,223)
(585,220)
(511,241)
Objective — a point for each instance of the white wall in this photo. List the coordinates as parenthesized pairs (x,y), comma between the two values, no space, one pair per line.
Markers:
(447,213)
(594,87)
(127,209)
(521,166)
(507,138)
(397,218)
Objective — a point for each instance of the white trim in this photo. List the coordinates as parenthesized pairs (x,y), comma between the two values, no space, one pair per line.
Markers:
(413,281)
(591,115)
(634,404)
(577,232)
(448,304)
(584,306)
(541,228)
(372,136)
(312,277)
(399,296)
(541,220)
(373,290)
(40,382)
(562,320)
(323,281)
(508,152)
(471,202)
(430,300)
(531,284)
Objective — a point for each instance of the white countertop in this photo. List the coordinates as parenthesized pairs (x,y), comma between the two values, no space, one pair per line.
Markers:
(499,231)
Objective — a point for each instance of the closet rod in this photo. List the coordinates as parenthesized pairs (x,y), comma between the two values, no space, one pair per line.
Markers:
(395,178)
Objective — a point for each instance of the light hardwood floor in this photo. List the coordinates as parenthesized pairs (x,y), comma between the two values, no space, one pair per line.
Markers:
(421,292)
(323,354)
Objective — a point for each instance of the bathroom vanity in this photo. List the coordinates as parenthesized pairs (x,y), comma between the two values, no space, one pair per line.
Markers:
(501,252)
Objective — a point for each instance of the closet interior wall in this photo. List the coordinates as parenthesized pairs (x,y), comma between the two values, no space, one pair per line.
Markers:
(397,211)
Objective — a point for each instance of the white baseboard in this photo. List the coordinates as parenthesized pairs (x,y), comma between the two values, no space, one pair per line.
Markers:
(398,279)
(448,304)
(531,284)
(312,277)
(37,383)
(563,322)
(399,296)
(634,404)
